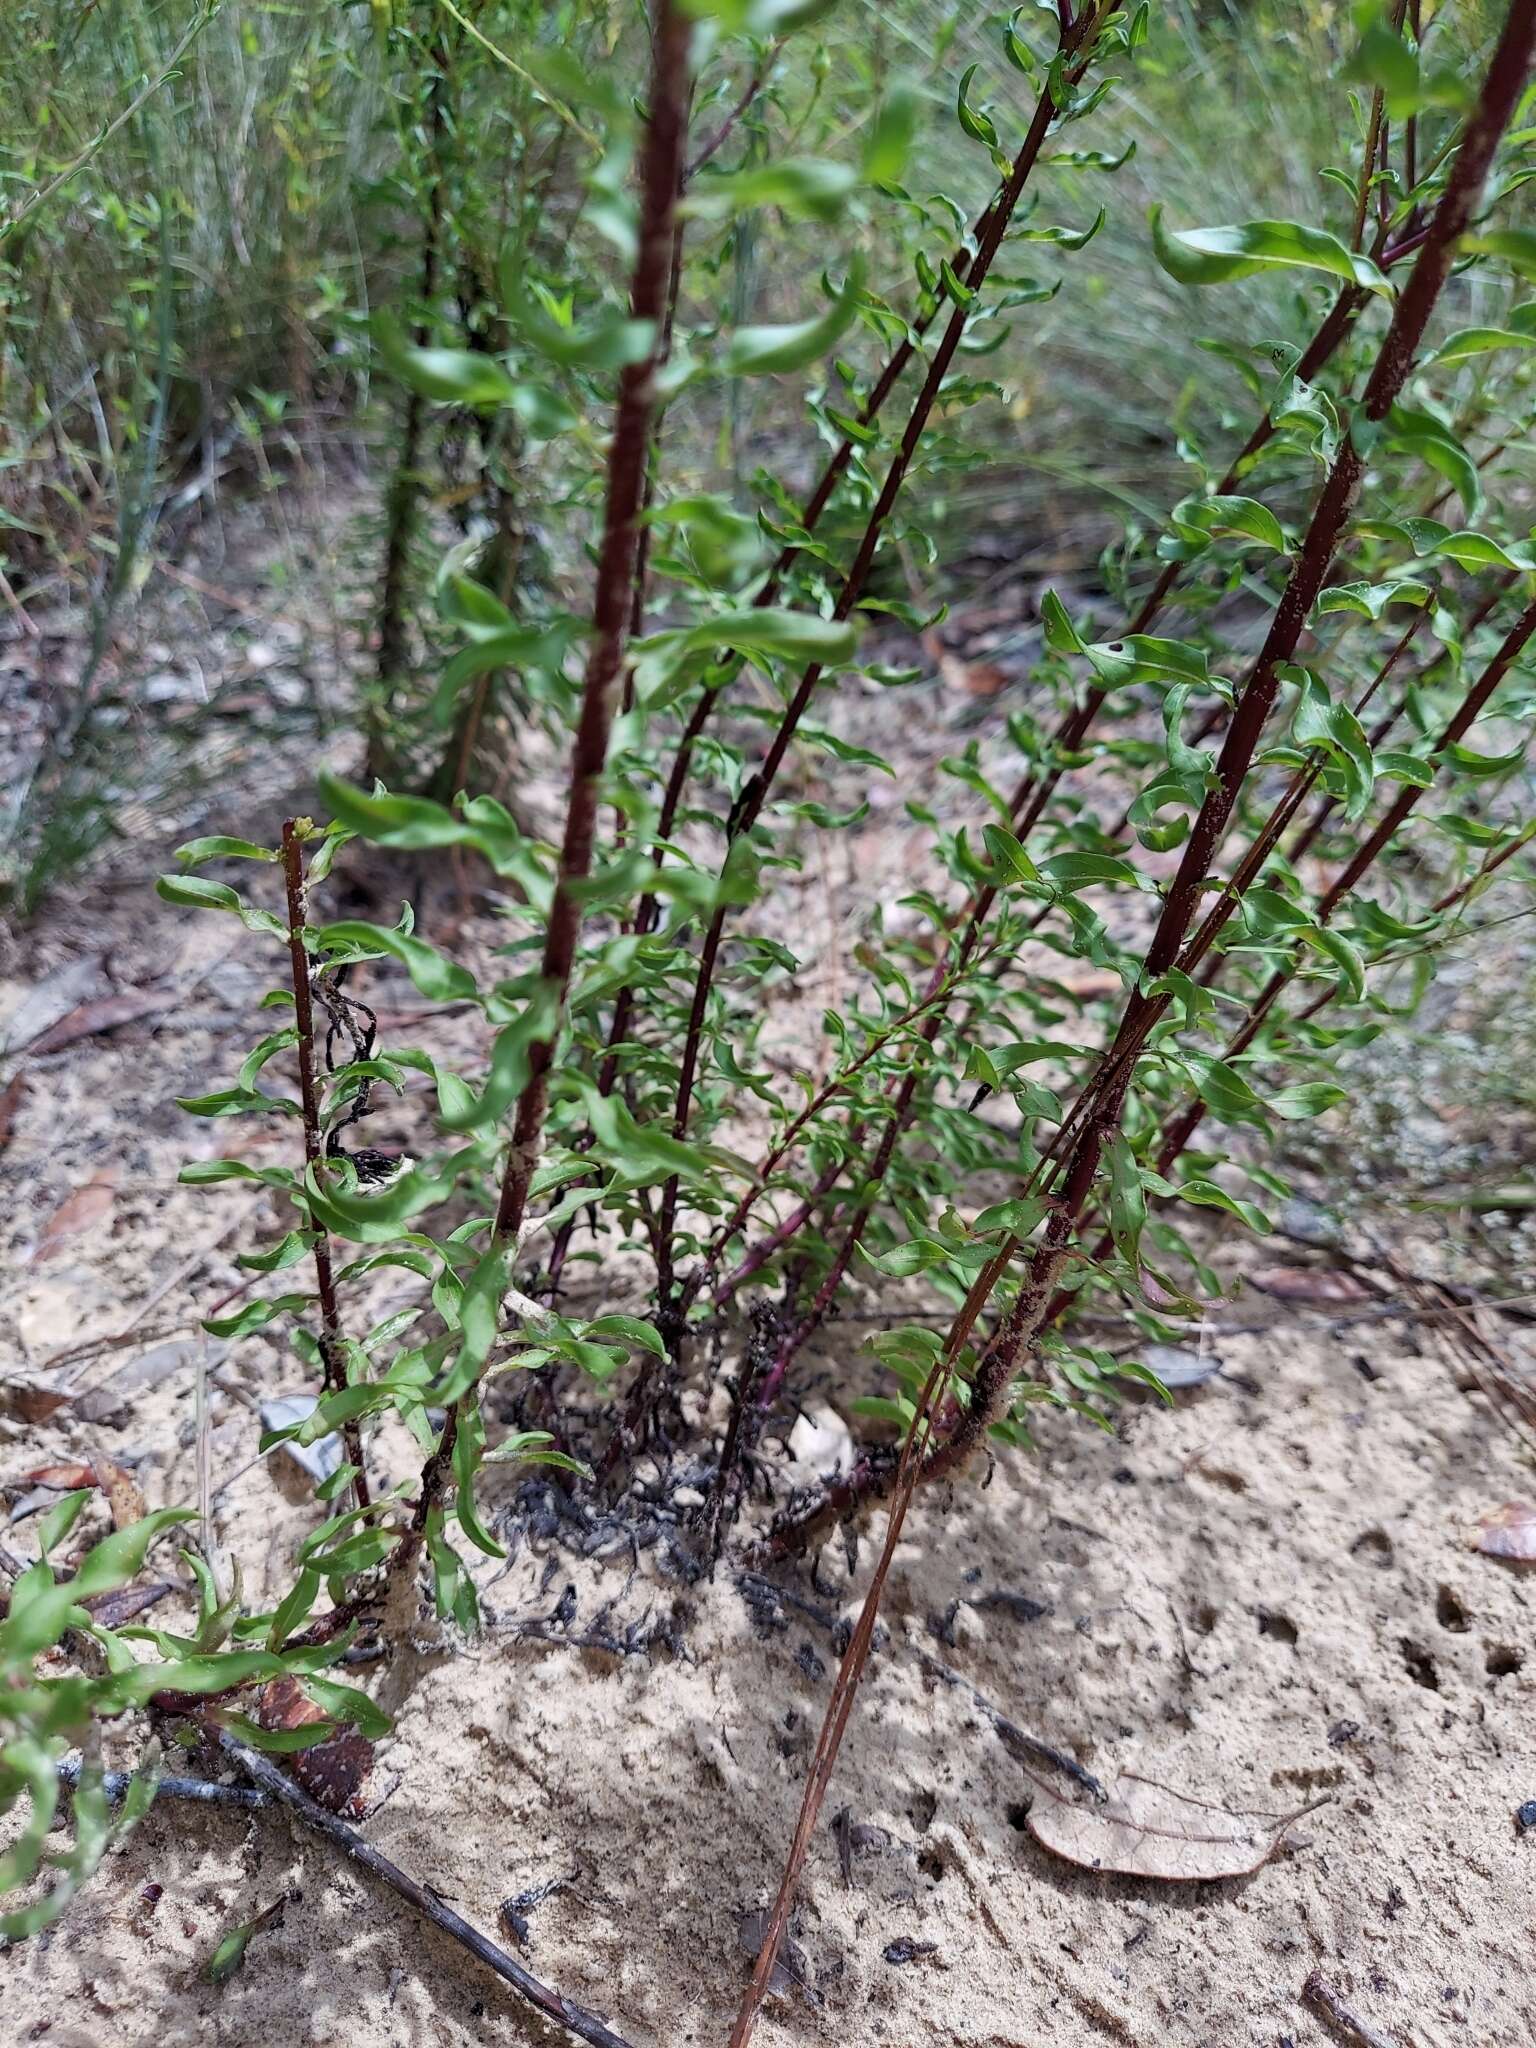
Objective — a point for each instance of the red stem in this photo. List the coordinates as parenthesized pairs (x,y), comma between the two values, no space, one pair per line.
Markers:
(661,170)
(757,791)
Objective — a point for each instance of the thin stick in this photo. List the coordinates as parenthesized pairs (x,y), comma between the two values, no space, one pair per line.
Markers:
(586,2026)
(201,1791)
(1323,1999)
(1373,137)
(753,87)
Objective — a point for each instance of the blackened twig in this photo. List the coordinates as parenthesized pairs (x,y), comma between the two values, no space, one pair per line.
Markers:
(204,1791)
(314,1151)
(586,2026)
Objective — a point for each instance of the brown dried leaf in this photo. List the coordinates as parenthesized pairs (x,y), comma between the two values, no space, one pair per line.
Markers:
(1145,1830)
(88,1205)
(10,1102)
(113,1610)
(124,1497)
(106,1013)
(332,1773)
(1508,1532)
(65,1477)
(30,1402)
(1328,1285)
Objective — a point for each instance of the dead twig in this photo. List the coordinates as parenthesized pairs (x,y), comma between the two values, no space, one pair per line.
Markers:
(1024,1748)
(1348,2025)
(585,2026)
(201,1790)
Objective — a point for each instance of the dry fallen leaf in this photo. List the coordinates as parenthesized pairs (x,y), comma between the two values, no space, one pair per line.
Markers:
(88,1205)
(106,1013)
(333,1772)
(122,1490)
(1327,1284)
(114,1610)
(30,1402)
(1145,1830)
(1176,1365)
(1508,1532)
(65,1477)
(10,1102)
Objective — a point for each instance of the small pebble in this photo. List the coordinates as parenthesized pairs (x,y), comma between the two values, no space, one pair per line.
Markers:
(1525,1817)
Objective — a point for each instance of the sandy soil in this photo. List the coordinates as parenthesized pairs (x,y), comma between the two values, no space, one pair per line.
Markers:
(1263,1599)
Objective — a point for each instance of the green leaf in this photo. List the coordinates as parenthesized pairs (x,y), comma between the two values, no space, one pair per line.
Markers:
(453,1589)
(1514,246)
(61,1518)
(1203,256)
(195,851)
(256,1315)
(610,342)
(1304,1099)
(1343,955)
(917,1255)
(1217,517)
(1468,342)
(885,154)
(288,1251)
(771,351)
(1070,239)
(415,823)
(753,631)
(804,187)
(977,125)
(192,892)
(1207,1195)
(631,1330)
(1319,722)
(207,1172)
(440,980)
(1223,1089)
(1127,1200)
(1385,60)
(468,1448)
(479,1323)
(40,1610)
(1083,870)
(468,377)
(347,1703)
(645,1153)
(1008,856)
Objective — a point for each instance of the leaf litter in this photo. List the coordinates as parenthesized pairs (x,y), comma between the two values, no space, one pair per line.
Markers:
(1144,1829)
